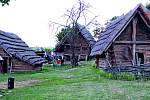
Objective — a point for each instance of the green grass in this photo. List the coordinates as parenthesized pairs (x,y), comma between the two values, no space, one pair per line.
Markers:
(81,83)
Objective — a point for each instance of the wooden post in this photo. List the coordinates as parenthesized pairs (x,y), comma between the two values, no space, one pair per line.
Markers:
(79,58)
(97,62)
(86,57)
(134,22)
(108,60)
(134,55)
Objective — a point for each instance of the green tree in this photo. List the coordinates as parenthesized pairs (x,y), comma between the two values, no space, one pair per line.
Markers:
(4,2)
(113,18)
(60,35)
(48,49)
(148,6)
(99,28)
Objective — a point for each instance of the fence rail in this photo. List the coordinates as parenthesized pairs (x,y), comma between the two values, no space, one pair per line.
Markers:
(143,70)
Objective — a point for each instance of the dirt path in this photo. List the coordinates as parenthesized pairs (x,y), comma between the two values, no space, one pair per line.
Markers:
(18,84)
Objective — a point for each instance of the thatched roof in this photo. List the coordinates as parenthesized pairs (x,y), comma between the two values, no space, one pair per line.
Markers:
(84,32)
(115,28)
(16,47)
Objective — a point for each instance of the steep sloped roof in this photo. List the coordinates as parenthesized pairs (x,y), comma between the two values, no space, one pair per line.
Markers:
(16,47)
(87,35)
(84,32)
(114,29)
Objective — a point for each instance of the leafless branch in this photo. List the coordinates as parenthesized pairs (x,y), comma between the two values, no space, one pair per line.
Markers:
(51,22)
(90,22)
(72,16)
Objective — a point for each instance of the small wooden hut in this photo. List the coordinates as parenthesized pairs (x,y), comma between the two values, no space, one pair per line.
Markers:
(15,55)
(84,42)
(125,41)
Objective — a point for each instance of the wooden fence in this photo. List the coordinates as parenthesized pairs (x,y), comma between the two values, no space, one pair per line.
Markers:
(143,70)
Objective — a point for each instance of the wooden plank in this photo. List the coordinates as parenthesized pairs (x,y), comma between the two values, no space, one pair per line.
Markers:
(134,55)
(132,42)
(134,22)
(144,20)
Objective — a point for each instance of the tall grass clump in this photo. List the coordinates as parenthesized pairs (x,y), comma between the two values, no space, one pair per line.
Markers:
(117,76)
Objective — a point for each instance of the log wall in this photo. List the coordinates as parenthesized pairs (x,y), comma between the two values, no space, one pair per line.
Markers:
(82,49)
(18,65)
(142,31)
(126,35)
(121,57)
(3,53)
(102,62)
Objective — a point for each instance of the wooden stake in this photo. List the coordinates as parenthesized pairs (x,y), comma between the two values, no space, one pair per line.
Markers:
(134,22)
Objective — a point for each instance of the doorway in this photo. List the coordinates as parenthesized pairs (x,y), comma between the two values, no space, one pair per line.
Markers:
(139,58)
(4,65)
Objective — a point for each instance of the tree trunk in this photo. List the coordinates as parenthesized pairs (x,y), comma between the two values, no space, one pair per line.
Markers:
(74,61)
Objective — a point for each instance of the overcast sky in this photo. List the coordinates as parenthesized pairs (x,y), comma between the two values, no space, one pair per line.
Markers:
(30,18)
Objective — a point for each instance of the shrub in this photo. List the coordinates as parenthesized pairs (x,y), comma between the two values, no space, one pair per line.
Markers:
(122,76)
(48,49)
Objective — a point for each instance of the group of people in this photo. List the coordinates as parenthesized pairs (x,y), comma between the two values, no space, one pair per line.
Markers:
(54,59)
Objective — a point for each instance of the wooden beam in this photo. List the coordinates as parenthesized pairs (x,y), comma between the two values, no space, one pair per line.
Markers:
(108,60)
(134,23)
(86,58)
(121,30)
(79,58)
(144,20)
(132,42)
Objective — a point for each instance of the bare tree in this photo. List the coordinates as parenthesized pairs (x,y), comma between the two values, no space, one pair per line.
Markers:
(72,16)
(99,28)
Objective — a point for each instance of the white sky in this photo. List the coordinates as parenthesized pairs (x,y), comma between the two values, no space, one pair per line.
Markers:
(30,18)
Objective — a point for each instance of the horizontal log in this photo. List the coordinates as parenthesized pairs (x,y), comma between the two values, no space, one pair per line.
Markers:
(132,42)
(18,70)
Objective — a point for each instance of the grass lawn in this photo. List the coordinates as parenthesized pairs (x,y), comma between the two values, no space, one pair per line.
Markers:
(81,83)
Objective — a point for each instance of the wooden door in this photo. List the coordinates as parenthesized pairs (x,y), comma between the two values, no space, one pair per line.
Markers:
(4,65)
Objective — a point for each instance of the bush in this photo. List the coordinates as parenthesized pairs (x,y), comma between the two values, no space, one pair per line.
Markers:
(48,49)
(122,76)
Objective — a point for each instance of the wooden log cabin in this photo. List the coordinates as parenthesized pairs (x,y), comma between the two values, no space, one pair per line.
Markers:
(125,41)
(84,42)
(15,55)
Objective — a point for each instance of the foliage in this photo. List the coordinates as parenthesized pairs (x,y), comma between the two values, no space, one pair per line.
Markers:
(113,18)
(48,49)
(37,48)
(60,35)
(4,2)
(121,76)
(124,76)
(110,20)
(148,6)
(98,29)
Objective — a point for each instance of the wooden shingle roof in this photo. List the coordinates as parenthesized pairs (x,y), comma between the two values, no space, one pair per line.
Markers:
(84,32)
(87,35)
(115,28)
(16,47)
